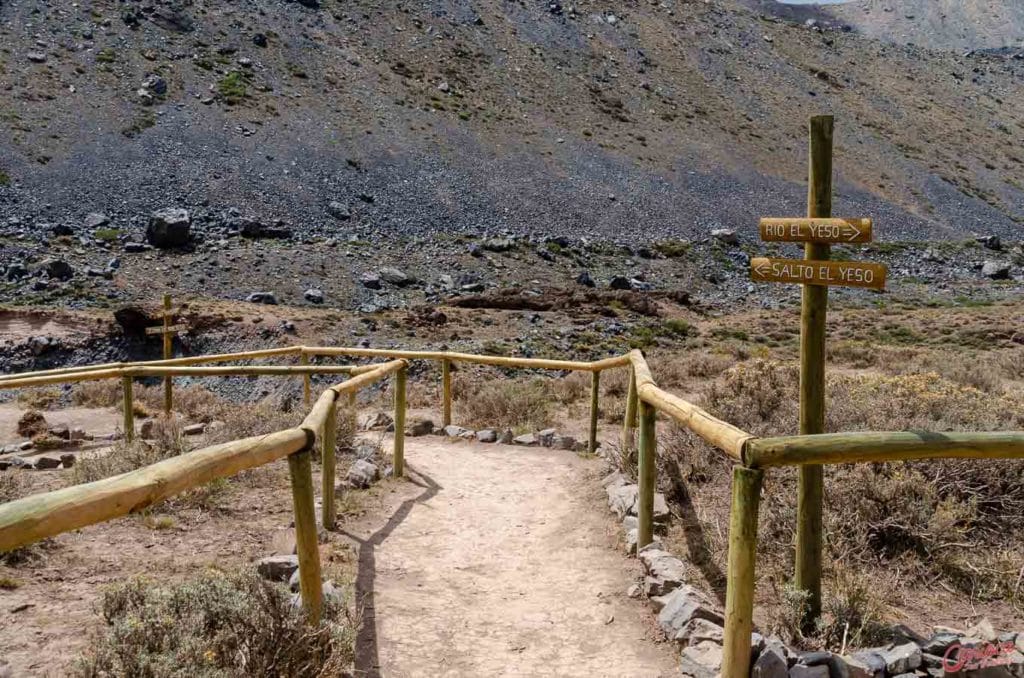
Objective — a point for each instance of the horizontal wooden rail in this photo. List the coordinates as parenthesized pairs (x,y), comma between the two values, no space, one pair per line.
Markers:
(875,446)
(722,435)
(368,374)
(498,361)
(38,516)
(153,371)
(191,360)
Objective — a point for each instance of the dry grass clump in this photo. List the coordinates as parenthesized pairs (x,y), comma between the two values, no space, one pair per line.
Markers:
(12,485)
(247,420)
(505,403)
(215,625)
(39,398)
(195,402)
(124,456)
(949,521)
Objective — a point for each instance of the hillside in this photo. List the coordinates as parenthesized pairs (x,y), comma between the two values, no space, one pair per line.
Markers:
(939,24)
(617,120)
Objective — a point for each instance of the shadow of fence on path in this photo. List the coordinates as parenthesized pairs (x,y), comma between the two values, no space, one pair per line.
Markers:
(367,651)
(696,542)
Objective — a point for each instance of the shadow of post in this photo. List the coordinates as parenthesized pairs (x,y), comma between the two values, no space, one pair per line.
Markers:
(367,652)
(696,542)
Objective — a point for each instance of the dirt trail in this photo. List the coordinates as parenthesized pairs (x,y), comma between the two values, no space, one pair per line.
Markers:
(498,561)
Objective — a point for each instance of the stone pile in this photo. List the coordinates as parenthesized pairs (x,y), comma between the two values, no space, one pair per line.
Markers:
(693,619)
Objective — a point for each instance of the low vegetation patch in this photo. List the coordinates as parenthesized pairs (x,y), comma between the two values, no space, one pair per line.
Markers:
(215,625)
(954,523)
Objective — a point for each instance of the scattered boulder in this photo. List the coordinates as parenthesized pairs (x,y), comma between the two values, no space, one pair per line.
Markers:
(506,437)
(585,279)
(499,244)
(395,276)
(665,572)
(370,281)
(419,427)
(268,298)
(339,211)
(725,235)
(702,660)
(277,568)
(362,474)
(48,461)
(36,57)
(620,282)
(375,421)
(526,440)
(990,242)
(802,671)
(58,269)
(194,429)
(900,658)
(32,423)
(771,663)
(487,435)
(684,606)
(546,437)
(996,270)
(313,296)
(453,431)
(169,228)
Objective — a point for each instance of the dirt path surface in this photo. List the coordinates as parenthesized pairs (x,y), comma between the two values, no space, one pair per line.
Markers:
(498,561)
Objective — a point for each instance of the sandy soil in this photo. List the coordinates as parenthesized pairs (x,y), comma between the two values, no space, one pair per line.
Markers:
(498,561)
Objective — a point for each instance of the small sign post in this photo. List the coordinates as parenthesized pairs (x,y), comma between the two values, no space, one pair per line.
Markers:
(816,273)
(168,331)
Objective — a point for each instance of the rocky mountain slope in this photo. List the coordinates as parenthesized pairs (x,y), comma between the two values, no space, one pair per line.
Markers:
(362,121)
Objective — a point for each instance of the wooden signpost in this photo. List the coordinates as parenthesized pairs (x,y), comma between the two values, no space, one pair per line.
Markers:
(168,331)
(816,273)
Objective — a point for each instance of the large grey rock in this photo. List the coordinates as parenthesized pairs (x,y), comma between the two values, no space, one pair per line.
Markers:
(526,440)
(487,435)
(95,220)
(362,473)
(375,420)
(58,269)
(169,228)
(725,235)
(546,438)
(453,431)
(48,461)
(622,499)
(802,671)
(938,643)
(996,270)
(900,658)
(702,660)
(314,296)
(277,568)
(419,427)
(370,281)
(339,211)
(564,443)
(983,630)
(849,667)
(868,662)
(506,437)
(770,664)
(683,605)
(698,630)
(262,298)
(395,276)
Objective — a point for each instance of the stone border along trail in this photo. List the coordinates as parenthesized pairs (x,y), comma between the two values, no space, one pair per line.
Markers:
(499,561)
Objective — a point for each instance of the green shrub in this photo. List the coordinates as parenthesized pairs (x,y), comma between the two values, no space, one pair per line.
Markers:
(232,87)
(106,234)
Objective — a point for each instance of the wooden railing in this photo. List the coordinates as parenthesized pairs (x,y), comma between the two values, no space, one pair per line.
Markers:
(26,520)
(36,517)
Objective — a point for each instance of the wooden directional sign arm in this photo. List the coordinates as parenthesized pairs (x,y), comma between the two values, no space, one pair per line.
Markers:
(819,230)
(826,273)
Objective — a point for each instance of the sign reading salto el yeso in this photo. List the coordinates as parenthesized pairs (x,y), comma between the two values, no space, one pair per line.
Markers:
(810,272)
(816,230)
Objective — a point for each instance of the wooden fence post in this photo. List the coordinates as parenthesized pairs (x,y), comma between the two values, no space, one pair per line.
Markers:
(307,386)
(168,354)
(629,422)
(352,406)
(739,591)
(128,404)
(647,474)
(446,393)
(307,542)
(810,486)
(330,438)
(399,454)
(595,395)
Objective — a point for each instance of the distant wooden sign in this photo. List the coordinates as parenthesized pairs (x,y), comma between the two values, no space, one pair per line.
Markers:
(171,329)
(810,272)
(802,229)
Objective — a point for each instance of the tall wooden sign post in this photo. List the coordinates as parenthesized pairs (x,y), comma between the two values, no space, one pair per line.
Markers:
(816,273)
